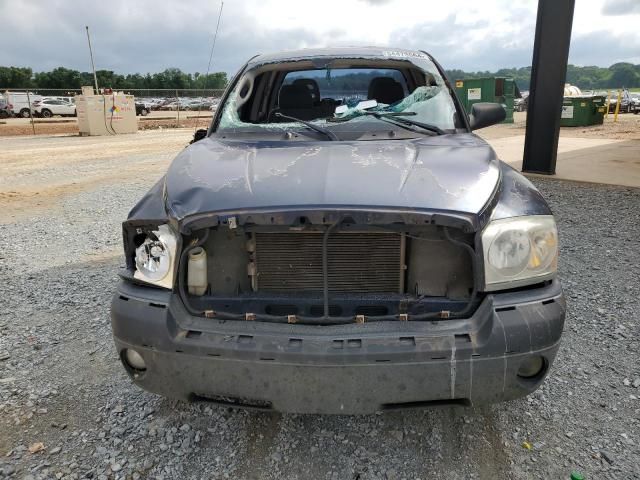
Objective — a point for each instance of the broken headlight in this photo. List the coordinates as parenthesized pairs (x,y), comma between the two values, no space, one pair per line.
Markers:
(155,257)
(519,251)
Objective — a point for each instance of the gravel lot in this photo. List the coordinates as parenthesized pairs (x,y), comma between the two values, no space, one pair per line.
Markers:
(64,395)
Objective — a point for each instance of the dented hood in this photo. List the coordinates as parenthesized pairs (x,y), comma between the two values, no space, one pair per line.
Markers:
(457,173)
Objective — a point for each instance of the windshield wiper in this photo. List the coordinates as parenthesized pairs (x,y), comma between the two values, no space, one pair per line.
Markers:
(394,117)
(329,134)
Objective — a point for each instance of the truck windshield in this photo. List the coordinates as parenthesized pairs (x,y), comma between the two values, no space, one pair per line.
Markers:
(270,97)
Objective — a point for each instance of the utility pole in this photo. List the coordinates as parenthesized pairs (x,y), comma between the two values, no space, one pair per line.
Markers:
(93,67)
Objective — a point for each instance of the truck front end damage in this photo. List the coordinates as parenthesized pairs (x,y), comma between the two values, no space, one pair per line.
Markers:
(334,311)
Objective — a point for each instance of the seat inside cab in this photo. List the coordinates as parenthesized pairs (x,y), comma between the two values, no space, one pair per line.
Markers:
(312,94)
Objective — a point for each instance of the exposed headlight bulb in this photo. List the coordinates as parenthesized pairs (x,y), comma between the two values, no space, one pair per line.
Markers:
(154,257)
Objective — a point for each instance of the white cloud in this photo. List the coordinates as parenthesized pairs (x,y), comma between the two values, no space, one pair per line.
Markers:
(621,7)
(150,35)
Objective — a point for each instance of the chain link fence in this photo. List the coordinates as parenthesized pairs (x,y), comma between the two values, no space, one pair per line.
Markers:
(156,108)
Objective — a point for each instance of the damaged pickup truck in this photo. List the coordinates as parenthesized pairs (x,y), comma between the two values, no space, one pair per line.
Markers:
(339,241)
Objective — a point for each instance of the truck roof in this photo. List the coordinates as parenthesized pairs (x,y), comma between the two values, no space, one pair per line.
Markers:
(338,52)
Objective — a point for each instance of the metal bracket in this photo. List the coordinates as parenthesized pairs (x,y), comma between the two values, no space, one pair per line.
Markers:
(249,316)
(209,313)
(361,319)
(292,319)
(403,317)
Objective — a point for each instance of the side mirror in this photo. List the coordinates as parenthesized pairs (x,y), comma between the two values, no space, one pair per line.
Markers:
(199,135)
(486,114)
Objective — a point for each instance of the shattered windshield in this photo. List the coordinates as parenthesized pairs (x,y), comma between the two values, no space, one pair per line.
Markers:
(402,92)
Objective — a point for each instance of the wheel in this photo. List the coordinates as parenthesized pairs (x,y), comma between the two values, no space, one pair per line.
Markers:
(144,112)
(24,113)
(46,113)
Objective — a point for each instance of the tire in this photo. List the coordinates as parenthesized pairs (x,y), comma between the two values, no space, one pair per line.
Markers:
(144,112)
(46,113)
(24,113)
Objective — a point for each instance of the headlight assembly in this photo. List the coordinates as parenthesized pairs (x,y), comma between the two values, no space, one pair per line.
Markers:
(155,257)
(519,251)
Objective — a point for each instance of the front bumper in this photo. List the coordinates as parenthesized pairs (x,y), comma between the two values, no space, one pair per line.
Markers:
(350,369)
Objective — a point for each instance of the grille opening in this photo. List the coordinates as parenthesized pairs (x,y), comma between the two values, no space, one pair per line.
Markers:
(318,310)
(277,309)
(373,271)
(372,310)
(358,262)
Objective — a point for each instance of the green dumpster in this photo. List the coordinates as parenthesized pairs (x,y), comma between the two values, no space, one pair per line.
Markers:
(488,89)
(582,111)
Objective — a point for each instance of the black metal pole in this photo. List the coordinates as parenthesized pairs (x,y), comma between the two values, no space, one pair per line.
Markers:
(548,74)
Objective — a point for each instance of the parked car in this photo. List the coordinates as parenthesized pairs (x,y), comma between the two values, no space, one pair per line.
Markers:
(48,107)
(20,102)
(198,105)
(634,103)
(171,106)
(70,100)
(321,256)
(5,108)
(625,102)
(141,109)
(521,104)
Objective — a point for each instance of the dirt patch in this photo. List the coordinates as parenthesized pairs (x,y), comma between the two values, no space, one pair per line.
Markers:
(12,129)
(626,128)
(38,171)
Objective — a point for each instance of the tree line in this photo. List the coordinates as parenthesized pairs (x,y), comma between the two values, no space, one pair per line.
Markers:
(587,78)
(616,76)
(173,78)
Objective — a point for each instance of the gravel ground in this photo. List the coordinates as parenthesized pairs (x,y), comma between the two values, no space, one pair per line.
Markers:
(19,127)
(68,410)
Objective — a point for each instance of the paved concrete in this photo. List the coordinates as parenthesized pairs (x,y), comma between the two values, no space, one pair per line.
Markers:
(597,160)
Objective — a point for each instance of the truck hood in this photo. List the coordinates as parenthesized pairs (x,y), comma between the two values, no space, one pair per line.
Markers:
(457,173)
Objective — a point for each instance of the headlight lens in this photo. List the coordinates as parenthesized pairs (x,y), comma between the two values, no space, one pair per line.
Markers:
(155,257)
(519,251)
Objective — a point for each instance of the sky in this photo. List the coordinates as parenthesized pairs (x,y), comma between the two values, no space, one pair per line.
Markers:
(142,36)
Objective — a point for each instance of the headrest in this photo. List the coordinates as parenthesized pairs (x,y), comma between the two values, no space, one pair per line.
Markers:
(311,85)
(295,96)
(385,90)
